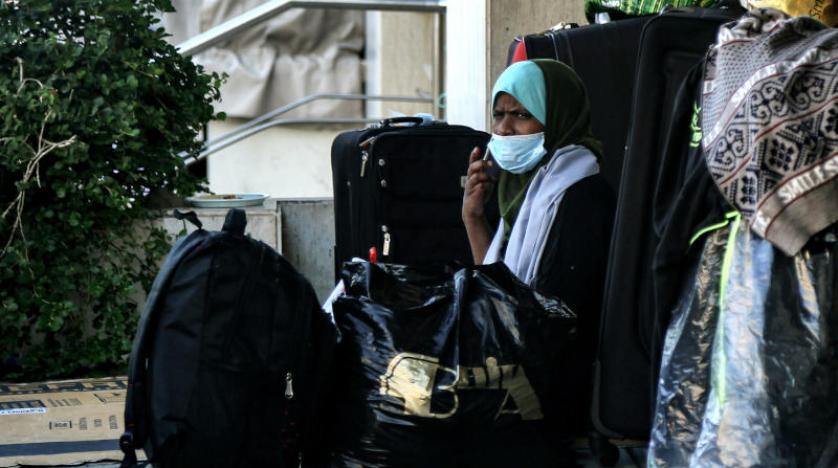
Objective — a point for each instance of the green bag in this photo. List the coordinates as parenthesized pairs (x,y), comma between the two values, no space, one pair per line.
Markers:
(623,8)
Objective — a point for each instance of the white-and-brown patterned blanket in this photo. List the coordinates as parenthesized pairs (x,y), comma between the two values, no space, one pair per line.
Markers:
(770,123)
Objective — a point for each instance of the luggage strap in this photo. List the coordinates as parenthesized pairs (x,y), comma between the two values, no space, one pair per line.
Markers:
(126,444)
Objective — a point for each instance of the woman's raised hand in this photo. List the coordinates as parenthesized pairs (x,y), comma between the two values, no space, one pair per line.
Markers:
(479,186)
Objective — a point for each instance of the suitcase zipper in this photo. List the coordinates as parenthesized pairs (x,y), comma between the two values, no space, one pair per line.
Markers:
(289,386)
(366,150)
(364,158)
(385,251)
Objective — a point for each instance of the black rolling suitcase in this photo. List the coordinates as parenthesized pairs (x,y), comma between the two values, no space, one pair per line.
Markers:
(671,45)
(605,58)
(398,191)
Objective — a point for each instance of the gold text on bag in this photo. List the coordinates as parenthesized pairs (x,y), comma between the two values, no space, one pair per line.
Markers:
(417,379)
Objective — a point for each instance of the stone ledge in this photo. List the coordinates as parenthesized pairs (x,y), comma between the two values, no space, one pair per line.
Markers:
(263,222)
(301,229)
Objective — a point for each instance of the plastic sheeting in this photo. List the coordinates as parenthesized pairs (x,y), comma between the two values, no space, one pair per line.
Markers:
(685,365)
(750,369)
(296,54)
(449,369)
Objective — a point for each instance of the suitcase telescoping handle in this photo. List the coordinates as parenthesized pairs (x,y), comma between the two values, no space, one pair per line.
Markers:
(400,121)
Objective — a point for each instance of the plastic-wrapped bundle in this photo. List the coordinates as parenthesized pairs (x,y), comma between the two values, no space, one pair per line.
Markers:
(771,372)
(439,369)
(685,366)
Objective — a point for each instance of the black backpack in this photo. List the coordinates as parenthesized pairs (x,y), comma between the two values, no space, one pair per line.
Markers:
(230,357)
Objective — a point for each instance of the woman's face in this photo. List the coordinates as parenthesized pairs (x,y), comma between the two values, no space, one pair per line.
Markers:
(509,118)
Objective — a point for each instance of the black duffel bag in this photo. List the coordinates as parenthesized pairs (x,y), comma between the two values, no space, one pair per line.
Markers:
(449,369)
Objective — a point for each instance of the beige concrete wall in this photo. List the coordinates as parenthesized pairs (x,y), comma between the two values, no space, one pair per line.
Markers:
(400,61)
(283,162)
(308,239)
(478,37)
(509,18)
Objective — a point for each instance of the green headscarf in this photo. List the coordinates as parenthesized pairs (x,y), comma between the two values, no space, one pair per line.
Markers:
(568,122)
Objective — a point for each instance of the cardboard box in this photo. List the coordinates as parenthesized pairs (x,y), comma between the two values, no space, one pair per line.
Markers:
(61,423)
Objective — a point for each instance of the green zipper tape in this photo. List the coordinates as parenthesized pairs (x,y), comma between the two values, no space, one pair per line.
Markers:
(720,360)
(708,229)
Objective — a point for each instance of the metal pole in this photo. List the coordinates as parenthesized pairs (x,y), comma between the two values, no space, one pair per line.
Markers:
(272,8)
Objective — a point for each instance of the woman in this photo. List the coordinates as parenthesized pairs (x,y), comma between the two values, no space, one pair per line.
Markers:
(557,210)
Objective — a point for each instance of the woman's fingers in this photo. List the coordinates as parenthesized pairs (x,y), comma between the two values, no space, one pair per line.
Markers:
(475,168)
(478,177)
(483,188)
(475,154)
(479,184)
(474,162)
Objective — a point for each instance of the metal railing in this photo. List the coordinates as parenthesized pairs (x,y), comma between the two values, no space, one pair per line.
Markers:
(271,9)
(265,121)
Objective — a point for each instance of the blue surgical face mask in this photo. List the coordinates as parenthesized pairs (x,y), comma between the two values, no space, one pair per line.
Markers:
(517,153)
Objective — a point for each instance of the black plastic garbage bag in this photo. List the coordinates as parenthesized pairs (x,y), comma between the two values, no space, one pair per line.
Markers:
(771,372)
(449,369)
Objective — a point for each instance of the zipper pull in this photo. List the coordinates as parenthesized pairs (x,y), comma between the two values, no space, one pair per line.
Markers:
(385,251)
(364,158)
(289,386)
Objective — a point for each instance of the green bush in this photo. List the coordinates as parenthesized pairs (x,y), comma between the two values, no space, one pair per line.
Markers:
(94,107)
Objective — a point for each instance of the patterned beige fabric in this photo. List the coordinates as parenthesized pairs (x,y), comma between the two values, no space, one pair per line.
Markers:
(770,123)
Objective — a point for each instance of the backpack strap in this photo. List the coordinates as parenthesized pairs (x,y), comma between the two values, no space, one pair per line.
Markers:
(235,222)
(126,444)
(190,216)
(136,400)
